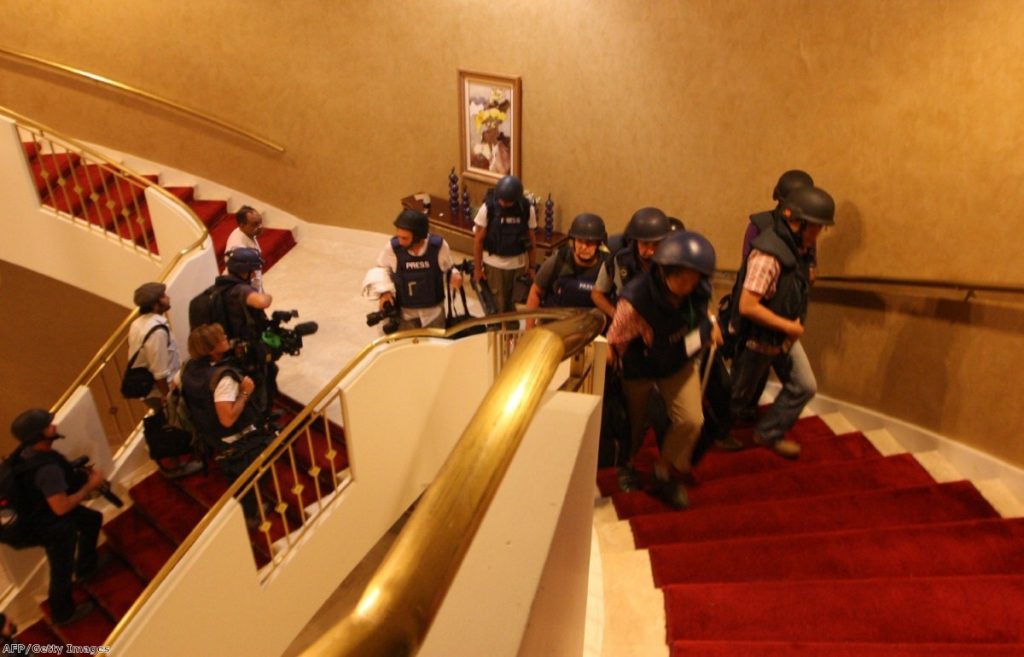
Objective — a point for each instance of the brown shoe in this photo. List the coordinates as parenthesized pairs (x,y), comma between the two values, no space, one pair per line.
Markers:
(784,447)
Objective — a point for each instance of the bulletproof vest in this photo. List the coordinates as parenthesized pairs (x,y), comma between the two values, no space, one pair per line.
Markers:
(667,353)
(763,220)
(573,284)
(507,228)
(790,298)
(244,322)
(626,264)
(199,379)
(419,280)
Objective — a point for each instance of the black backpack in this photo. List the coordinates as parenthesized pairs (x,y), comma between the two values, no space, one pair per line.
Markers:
(16,501)
(210,307)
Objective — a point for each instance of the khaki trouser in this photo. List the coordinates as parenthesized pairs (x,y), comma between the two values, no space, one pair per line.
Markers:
(502,284)
(681,392)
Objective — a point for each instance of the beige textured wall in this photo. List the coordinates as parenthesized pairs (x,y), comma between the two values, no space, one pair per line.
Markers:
(950,365)
(908,112)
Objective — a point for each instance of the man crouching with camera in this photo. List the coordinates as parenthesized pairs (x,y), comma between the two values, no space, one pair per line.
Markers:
(410,282)
(220,400)
(54,517)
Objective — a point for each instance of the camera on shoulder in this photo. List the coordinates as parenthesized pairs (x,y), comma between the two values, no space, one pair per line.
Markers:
(282,340)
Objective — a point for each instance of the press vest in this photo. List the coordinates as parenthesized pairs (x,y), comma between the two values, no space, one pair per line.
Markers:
(199,379)
(572,284)
(790,298)
(507,228)
(419,278)
(626,264)
(667,353)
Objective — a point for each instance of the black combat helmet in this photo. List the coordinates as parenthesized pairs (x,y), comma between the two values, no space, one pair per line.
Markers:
(509,188)
(789,181)
(811,204)
(243,260)
(415,222)
(588,226)
(684,248)
(648,225)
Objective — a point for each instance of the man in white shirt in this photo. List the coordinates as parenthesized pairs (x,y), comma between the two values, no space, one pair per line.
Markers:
(418,263)
(250,226)
(504,244)
(150,337)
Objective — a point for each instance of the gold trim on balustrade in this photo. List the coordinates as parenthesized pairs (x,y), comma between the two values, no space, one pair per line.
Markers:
(120,334)
(510,403)
(145,95)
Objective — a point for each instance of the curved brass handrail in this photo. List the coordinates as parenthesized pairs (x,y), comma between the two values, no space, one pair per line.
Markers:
(115,339)
(577,338)
(968,287)
(145,95)
(402,598)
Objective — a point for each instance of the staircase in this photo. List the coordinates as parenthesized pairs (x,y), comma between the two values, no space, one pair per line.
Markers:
(163,512)
(92,192)
(854,549)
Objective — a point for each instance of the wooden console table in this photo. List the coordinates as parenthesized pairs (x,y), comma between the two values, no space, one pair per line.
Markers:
(458,230)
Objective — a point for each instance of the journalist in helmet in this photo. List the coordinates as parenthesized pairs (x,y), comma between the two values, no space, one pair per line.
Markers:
(566,279)
(772,287)
(51,510)
(417,263)
(504,242)
(660,327)
(645,230)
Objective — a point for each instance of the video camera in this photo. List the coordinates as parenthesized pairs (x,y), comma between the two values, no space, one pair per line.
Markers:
(281,340)
(81,466)
(389,312)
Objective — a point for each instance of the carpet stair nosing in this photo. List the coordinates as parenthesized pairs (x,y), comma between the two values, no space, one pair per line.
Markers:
(958,500)
(796,483)
(956,609)
(974,547)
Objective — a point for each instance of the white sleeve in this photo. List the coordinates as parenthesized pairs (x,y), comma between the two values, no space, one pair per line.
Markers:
(444,257)
(533,217)
(387,258)
(157,357)
(227,390)
(481,216)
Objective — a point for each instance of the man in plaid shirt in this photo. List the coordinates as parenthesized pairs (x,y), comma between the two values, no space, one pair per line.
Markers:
(773,307)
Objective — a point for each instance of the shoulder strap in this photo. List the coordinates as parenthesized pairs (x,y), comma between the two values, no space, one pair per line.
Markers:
(131,361)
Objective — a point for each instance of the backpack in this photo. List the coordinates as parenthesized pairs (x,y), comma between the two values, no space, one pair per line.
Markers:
(210,307)
(15,500)
(138,381)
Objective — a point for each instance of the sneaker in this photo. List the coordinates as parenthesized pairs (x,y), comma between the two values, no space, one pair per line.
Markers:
(80,612)
(671,492)
(784,447)
(729,444)
(629,479)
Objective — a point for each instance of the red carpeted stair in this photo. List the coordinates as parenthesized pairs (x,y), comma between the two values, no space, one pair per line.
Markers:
(164,512)
(92,193)
(840,553)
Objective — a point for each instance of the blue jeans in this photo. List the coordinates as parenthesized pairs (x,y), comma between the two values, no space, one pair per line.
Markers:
(798,388)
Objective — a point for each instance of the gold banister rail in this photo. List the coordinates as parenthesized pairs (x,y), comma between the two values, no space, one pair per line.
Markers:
(573,331)
(145,95)
(108,350)
(402,598)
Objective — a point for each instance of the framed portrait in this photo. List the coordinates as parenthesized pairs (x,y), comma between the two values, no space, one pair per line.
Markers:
(489,125)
